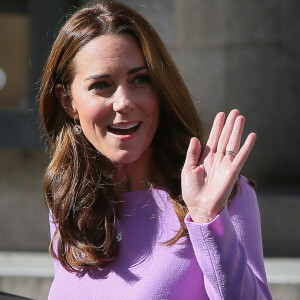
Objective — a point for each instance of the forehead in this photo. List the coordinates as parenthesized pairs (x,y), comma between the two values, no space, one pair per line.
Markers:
(109,52)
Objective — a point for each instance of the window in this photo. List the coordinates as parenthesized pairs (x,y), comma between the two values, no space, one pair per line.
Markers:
(18,126)
(14,54)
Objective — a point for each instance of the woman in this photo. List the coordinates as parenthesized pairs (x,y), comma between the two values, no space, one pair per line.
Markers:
(139,209)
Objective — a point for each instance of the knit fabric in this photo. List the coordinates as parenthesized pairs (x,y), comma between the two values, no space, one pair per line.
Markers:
(219,260)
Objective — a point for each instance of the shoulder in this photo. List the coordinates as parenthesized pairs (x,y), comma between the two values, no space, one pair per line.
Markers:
(245,200)
(245,191)
(244,205)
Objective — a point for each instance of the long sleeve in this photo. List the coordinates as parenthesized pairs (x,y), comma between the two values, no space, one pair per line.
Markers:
(229,249)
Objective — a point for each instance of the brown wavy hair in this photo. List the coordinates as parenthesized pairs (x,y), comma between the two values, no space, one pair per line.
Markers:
(79,184)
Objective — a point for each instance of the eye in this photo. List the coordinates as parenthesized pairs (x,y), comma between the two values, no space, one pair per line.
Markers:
(141,79)
(100,86)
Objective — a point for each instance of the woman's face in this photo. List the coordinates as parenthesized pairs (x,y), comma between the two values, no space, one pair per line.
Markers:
(113,97)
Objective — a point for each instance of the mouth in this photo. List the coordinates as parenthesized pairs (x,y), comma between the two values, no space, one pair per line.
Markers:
(125,128)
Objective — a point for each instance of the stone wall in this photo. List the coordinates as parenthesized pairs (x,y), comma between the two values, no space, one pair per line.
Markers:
(23,214)
(245,55)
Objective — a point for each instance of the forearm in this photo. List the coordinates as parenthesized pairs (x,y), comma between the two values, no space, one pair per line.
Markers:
(228,270)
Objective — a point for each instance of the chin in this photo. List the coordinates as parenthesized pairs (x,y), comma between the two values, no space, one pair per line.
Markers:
(123,158)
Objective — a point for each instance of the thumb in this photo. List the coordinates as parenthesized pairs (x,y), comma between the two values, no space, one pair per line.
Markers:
(192,155)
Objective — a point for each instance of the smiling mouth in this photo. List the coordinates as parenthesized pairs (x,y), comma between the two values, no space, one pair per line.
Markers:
(123,129)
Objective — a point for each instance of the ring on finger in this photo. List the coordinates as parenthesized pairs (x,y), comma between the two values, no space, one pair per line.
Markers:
(230,152)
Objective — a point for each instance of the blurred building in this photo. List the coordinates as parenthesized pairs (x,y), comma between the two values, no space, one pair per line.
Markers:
(243,54)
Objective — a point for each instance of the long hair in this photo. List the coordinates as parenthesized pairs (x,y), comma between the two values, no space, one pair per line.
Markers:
(79,183)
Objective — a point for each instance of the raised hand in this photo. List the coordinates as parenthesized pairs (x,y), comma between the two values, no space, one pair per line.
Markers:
(207,181)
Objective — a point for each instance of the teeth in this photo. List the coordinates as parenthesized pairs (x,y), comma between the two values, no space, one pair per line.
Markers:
(124,126)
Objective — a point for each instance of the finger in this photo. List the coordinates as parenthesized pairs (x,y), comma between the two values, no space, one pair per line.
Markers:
(215,133)
(236,135)
(244,152)
(192,155)
(226,131)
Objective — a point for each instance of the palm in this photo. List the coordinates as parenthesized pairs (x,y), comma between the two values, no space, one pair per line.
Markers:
(207,183)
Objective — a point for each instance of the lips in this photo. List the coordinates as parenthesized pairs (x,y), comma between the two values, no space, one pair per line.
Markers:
(125,128)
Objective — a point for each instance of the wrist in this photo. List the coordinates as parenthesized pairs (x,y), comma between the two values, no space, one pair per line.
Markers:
(200,215)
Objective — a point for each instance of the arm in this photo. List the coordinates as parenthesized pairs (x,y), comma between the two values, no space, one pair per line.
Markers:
(226,240)
(229,249)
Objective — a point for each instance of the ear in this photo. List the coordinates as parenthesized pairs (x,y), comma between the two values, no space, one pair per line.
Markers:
(66,101)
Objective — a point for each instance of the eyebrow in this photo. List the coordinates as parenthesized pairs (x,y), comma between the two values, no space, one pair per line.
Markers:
(99,76)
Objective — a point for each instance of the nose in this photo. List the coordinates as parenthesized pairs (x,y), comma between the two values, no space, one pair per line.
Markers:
(122,102)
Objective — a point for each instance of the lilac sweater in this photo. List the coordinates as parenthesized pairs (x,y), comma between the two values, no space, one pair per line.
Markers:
(220,260)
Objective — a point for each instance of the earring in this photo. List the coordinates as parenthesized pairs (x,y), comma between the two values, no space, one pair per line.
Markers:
(77,128)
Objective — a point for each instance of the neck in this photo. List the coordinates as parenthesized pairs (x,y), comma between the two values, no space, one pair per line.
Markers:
(135,176)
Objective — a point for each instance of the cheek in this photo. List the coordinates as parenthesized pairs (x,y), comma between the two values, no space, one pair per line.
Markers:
(92,121)
(91,112)
(152,106)
(87,107)
(90,115)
